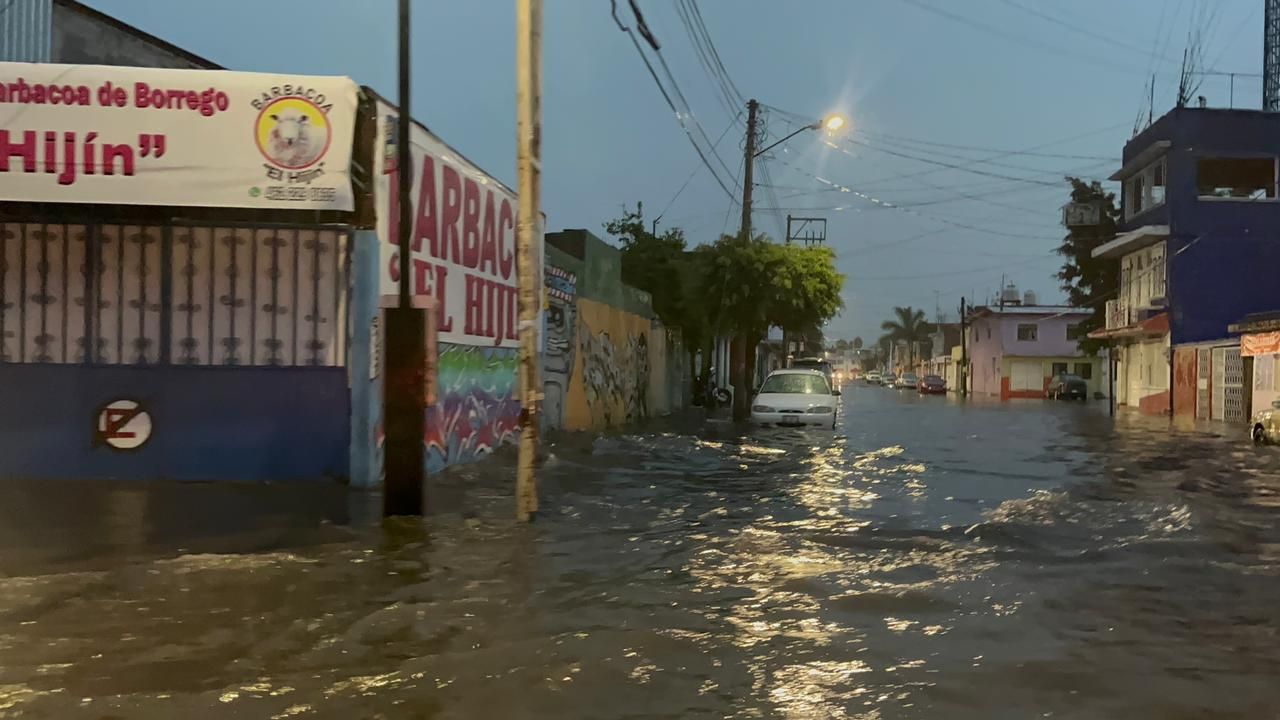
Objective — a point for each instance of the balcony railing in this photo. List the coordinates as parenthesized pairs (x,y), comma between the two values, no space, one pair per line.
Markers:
(1118,314)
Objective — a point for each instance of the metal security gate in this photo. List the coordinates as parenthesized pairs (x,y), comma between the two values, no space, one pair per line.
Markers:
(1026,375)
(1228,385)
(1202,382)
(119,294)
(1233,386)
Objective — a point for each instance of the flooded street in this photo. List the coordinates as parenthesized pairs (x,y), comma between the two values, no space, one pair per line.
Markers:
(931,559)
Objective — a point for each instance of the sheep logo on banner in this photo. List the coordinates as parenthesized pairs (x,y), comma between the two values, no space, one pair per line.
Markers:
(293,133)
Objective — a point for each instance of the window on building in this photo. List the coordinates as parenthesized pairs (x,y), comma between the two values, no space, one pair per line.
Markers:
(1028,332)
(1073,331)
(1059,368)
(1236,178)
(988,332)
(1145,189)
(1084,370)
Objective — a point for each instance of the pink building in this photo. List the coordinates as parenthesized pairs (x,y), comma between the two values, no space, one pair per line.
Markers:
(1015,350)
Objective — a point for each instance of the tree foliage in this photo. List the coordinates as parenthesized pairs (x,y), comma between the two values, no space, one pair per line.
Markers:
(1089,282)
(651,263)
(857,343)
(908,326)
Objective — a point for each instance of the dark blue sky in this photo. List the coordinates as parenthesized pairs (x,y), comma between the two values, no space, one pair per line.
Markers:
(1003,75)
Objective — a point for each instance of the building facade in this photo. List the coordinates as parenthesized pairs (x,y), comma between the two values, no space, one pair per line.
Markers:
(1015,350)
(1200,238)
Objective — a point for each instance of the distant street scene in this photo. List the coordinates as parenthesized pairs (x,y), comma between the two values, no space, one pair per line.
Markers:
(643,359)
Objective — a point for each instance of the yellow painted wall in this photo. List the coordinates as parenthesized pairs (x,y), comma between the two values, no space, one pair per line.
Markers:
(619,369)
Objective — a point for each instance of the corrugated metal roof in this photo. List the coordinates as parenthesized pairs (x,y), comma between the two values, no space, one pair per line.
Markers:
(26,31)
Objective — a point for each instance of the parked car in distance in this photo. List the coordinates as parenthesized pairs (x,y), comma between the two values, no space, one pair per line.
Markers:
(1065,385)
(873,378)
(889,380)
(932,385)
(795,397)
(908,381)
(1265,428)
(813,363)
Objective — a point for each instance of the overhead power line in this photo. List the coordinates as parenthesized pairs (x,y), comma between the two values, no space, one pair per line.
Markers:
(680,115)
(973,148)
(1019,39)
(732,123)
(1092,33)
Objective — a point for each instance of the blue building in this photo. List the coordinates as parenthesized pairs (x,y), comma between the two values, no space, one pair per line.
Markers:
(1199,251)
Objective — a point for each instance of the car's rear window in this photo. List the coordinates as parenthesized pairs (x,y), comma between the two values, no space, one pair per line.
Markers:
(799,383)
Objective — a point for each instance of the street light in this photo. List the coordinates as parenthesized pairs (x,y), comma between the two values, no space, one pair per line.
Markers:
(831,123)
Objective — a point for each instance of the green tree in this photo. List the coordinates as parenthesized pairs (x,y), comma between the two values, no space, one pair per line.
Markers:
(908,326)
(842,345)
(750,284)
(857,343)
(650,263)
(661,266)
(1088,281)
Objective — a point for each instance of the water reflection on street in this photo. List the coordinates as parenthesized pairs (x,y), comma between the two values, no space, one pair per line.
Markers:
(931,558)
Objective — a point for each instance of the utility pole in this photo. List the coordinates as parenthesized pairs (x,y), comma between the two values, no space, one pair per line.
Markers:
(962,372)
(741,393)
(405,392)
(529,171)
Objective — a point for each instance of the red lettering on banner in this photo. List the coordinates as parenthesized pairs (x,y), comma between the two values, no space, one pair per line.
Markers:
(421,277)
(452,198)
(474,306)
(492,293)
(25,150)
(470,224)
(50,152)
(506,221)
(426,227)
(394,267)
(112,152)
(488,248)
(441,283)
(513,311)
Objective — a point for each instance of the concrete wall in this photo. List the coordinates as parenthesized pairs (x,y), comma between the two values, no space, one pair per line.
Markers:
(83,36)
(608,361)
(1185,382)
(208,423)
(1266,381)
(986,349)
(1051,336)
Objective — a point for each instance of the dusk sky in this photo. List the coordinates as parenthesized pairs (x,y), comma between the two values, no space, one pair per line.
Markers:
(979,79)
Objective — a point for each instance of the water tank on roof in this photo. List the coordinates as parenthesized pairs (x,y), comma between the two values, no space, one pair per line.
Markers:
(1009,295)
(1028,298)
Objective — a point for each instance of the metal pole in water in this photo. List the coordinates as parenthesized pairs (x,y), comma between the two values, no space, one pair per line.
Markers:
(529,172)
(404,394)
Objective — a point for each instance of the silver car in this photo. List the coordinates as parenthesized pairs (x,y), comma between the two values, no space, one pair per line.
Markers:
(1265,428)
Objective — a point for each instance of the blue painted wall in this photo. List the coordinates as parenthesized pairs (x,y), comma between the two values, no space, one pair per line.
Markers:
(366,392)
(1223,256)
(210,423)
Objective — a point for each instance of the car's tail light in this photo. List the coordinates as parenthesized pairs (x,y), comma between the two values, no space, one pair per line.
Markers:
(762,408)
(819,410)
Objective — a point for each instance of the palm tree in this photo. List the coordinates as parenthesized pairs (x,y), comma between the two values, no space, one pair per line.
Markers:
(907,326)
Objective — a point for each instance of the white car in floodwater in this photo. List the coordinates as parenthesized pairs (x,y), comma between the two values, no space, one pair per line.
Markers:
(795,397)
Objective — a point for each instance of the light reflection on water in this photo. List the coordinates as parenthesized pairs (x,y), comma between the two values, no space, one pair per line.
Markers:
(928,559)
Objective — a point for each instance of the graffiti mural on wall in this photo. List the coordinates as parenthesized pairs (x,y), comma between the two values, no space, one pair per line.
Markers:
(616,377)
(477,410)
(561,333)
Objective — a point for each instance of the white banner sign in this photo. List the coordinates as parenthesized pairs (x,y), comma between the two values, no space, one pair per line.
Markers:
(464,237)
(148,136)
